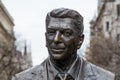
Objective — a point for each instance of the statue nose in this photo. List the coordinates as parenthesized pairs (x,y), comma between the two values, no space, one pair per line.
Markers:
(57,38)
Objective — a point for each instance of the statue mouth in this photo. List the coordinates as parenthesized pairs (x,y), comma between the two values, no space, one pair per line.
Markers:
(58,50)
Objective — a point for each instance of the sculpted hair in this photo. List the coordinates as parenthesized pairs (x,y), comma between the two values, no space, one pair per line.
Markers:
(67,13)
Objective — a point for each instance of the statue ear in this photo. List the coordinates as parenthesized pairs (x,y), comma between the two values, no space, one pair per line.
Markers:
(81,39)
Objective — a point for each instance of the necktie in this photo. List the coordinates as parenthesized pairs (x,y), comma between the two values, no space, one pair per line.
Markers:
(63,76)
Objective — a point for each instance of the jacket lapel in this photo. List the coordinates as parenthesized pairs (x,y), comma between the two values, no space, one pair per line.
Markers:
(39,73)
(88,71)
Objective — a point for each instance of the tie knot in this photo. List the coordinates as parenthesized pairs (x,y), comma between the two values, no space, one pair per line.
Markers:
(63,76)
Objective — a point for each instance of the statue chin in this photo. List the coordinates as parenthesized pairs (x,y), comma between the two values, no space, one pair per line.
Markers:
(57,56)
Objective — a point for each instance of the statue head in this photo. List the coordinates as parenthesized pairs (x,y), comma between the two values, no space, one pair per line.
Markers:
(67,13)
(64,33)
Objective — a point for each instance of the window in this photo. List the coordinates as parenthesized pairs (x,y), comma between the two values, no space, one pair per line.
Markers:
(110,0)
(118,37)
(107,26)
(118,9)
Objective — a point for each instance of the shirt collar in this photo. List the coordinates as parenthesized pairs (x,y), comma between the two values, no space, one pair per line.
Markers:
(74,71)
(51,68)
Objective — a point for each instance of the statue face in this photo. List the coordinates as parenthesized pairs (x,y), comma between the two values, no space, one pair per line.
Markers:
(61,38)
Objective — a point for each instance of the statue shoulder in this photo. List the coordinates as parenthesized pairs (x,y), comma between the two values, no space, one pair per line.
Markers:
(98,72)
(32,73)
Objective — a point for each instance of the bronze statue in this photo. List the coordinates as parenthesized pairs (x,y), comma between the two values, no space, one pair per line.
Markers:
(64,35)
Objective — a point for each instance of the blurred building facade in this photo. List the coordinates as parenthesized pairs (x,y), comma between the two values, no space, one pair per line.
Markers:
(6,26)
(107,20)
(105,26)
(12,61)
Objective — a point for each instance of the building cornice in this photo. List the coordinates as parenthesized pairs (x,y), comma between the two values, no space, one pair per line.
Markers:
(10,35)
(100,14)
(6,12)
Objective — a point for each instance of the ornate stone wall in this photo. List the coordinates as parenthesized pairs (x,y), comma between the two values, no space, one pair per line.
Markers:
(11,60)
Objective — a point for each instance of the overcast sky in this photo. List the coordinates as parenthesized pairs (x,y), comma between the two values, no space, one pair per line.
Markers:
(29,18)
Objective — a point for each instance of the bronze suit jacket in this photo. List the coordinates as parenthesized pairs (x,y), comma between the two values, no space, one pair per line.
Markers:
(88,72)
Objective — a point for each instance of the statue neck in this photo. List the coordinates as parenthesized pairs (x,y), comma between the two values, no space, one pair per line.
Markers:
(64,65)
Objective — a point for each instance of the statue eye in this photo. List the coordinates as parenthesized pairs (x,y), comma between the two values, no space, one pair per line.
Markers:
(51,32)
(68,32)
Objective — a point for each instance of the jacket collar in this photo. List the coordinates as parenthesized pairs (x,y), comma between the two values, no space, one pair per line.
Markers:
(73,71)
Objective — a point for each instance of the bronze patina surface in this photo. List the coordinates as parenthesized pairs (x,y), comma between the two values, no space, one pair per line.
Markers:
(64,36)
